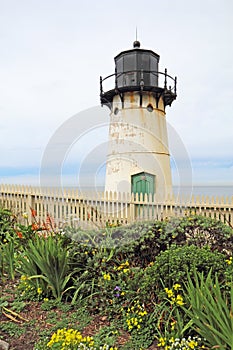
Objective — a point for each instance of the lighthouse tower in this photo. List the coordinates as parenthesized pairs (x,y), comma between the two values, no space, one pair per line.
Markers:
(138,159)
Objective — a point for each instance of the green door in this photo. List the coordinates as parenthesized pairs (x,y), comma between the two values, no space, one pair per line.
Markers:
(143,183)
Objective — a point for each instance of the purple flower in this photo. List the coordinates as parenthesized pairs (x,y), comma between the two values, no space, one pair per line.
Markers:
(117,288)
(117,295)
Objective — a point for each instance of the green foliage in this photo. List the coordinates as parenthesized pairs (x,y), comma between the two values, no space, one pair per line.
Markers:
(140,243)
(210,310)
(41,344)
(8,259)
(106,335)
(49,304)
(172,266)
(45,264)
(12,329)
(228,273)
(203,231)
(133,276)
(18,305)
(7,224)
(28,290)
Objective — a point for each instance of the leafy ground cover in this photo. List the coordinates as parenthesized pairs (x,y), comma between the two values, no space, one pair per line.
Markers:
(151,285)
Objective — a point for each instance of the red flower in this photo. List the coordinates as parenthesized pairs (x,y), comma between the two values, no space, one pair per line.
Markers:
(35,227)
(33,212)
(44,226)
(19,234)
(50,221)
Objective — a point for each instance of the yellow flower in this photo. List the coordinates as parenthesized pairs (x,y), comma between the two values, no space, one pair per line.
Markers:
(172,340)
(229,261)
(69,338)
(39,290)
(169,292)
(173,325)
(192,344)
(179,300)
(25,215)
(176,286)
(162,342)
(107,277)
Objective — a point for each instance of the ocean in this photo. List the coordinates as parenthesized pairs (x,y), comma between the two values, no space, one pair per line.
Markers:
(196,190)
(204,190)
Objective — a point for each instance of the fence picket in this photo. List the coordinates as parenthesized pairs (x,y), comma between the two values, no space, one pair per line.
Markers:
(96,208)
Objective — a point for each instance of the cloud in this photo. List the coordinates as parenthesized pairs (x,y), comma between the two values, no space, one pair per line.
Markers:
(53,53)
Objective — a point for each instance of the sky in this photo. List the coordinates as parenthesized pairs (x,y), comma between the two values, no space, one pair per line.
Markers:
(52,53)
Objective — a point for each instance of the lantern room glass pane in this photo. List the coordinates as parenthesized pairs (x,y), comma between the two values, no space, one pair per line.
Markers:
(130,76)
(154,68)
(119,68)
(143,66)
(144,61)
(130,62)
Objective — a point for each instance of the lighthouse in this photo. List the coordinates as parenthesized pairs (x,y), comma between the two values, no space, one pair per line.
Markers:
(138,159)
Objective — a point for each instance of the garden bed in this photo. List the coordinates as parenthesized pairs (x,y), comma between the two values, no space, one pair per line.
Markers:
(128,287)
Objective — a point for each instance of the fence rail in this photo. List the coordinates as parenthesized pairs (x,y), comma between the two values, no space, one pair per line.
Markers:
(69,206)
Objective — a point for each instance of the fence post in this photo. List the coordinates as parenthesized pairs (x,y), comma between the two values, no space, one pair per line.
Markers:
(132,209)
(30,205)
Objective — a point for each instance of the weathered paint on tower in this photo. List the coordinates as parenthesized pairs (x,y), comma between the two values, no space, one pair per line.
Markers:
(138,157)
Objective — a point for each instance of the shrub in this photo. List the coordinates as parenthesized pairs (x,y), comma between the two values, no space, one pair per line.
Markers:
(144,241)
(203,231)
(172,266)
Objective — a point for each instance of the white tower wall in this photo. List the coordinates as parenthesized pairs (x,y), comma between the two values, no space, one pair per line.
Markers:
(138,142)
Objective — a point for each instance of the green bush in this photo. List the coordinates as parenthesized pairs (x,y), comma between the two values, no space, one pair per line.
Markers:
(203,231)
(140,243)
(144,241)
(172,266)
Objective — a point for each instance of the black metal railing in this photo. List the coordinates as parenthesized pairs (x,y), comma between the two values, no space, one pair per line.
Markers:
(166,86)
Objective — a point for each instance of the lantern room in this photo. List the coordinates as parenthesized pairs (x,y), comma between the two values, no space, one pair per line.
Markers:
(137,66)
(137,70)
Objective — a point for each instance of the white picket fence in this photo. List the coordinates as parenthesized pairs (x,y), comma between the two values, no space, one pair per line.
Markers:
(69,206)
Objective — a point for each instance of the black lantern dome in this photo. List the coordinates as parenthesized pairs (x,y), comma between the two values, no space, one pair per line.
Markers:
(138,70)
